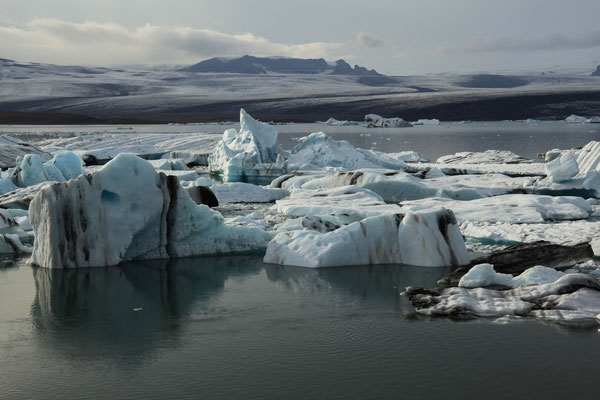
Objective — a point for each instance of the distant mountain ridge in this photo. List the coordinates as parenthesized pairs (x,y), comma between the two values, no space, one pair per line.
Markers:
(262,65)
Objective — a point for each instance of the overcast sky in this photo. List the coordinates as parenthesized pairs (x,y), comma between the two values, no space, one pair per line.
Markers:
(392,36)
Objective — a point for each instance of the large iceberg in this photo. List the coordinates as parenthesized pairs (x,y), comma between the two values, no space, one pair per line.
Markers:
(128,211)
(429,238)
(253,151)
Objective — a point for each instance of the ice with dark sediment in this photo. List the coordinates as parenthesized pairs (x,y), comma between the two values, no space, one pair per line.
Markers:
(427,238)
(127,211)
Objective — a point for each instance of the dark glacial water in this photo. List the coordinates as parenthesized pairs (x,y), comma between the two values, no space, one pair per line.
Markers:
(234,328)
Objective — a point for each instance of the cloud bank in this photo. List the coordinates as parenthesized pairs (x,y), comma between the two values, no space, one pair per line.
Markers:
(549,43)
(93,43)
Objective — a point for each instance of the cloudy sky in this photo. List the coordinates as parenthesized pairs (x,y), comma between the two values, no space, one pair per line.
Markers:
(392,36)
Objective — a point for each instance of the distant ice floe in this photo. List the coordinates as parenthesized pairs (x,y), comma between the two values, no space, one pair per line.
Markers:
(377,121)
(335,122)
(429,238)
(575,119)
(127,211)
(486,157)
(427,122)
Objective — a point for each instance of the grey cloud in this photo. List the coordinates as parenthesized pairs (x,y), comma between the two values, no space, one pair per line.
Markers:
(53,40)
(368,40)
(513,44)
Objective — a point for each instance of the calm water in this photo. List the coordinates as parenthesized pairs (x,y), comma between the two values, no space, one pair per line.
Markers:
(432,141)
(232,327)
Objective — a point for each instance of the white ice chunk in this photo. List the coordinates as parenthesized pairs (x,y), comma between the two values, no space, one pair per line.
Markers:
(6,186)
(377,121)
(575,119)
(427,122)
(562,168)
(318,151)
(486,157)
(483,275)
(11,244)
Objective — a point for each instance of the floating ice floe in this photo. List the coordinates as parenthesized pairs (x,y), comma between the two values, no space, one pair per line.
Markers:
(335,122)
(510,208)
(593,120)
(318,151)
(427,122)
(562,168)
(11,149)
(238,192)
(588,158)
(128,211)
(575,119)
(486,157)
(6,186)
(377,121)
(408,156)
(483,275)
(428,238)
(570,298)
(253,151)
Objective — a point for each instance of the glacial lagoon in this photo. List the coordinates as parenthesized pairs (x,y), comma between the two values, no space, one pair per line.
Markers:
(234,327)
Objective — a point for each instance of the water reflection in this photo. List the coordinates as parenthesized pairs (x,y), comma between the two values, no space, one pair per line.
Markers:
(127,309)
(374,284)
(125,312)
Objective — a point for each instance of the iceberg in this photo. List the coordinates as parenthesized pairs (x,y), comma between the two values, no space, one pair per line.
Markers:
(562,168)
(427,122)
(429,238)
(377,121)
(30,170)
(588,158)
(128,211)
(335,122)
(575,119)
(318,151)
(6,186)
(253,151)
